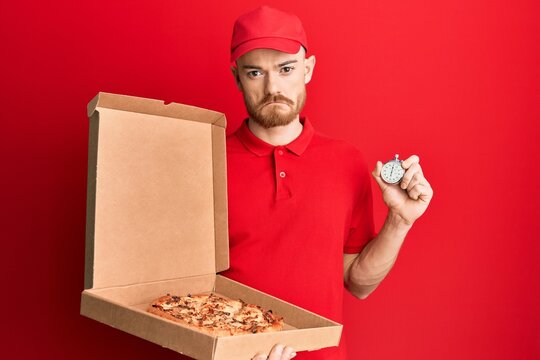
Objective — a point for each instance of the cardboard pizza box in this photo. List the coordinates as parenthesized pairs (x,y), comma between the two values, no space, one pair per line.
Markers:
(157,224)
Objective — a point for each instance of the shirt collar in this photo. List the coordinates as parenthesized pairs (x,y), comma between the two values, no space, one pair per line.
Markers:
(262,148)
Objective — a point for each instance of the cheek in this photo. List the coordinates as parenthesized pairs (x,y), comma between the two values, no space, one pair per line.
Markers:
(252,98)
(298,93)
(296,87)
(251,92)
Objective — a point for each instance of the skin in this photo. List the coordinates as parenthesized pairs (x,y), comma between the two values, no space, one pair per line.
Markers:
(264,75)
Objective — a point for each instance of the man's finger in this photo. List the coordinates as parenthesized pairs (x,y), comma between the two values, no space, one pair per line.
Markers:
(421,191)
(409,174)
(413,159)
(287,353)
(415,192)
(276,352)
(416,179)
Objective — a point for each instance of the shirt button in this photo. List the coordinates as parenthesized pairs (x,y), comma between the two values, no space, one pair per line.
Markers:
(282,174)
(280,152)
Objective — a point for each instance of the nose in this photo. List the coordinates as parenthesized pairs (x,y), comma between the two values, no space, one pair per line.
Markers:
(271,85)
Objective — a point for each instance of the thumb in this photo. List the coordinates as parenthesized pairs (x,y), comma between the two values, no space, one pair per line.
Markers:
(376,173)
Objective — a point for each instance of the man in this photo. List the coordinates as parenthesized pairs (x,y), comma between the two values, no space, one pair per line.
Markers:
(300,203)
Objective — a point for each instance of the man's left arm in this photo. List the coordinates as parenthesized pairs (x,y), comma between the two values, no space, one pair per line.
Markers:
(406,202)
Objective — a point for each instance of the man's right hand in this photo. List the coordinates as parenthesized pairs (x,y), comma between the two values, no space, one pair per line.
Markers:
(278,352)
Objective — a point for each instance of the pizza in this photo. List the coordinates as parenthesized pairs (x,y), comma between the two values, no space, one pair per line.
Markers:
(216,314)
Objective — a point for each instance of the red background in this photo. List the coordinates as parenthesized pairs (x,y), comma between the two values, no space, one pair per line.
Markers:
(455,82)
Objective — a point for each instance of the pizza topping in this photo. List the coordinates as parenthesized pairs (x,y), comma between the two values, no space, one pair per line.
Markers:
(166,306)
(268,316)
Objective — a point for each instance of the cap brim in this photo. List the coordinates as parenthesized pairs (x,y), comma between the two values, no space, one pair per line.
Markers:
(280,44)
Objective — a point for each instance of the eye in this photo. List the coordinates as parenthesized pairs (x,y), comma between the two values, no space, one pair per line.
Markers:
(254,73)
(287,69)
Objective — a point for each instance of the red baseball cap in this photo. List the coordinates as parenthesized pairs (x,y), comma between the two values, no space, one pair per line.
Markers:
(267,28)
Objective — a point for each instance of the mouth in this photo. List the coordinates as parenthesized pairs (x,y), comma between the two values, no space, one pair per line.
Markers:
(276,103)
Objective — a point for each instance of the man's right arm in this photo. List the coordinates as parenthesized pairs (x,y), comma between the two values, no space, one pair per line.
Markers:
(364,272)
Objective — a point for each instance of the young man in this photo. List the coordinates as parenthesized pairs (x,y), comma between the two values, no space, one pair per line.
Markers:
(300,203)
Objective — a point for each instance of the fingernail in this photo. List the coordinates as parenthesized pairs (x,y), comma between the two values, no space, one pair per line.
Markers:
(292,355)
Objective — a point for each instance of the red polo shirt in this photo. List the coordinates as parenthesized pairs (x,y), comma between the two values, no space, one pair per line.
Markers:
(293,211)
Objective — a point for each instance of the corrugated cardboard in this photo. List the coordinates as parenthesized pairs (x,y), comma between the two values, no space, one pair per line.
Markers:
(157,224)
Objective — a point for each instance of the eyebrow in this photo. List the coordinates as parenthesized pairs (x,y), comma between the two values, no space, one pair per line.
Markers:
(279,65)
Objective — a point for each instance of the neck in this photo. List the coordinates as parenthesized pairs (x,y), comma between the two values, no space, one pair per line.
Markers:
(278,135)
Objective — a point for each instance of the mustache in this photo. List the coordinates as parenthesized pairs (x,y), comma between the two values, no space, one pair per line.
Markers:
(275,98)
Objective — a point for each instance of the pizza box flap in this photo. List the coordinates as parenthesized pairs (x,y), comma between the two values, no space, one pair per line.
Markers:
(157,191)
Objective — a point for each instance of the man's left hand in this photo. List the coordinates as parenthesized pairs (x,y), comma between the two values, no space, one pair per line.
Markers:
(410,198)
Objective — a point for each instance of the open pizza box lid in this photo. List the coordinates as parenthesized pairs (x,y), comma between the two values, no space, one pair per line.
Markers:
(157,223)
(158,180)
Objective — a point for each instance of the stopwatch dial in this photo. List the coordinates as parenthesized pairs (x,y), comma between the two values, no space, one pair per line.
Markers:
(392,172)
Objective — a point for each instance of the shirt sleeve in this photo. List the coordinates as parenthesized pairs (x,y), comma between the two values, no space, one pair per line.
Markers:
(362,227)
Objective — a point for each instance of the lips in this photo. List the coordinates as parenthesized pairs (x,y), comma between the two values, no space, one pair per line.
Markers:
(275,102)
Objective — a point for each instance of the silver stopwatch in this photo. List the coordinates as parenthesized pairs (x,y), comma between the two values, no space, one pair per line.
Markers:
(392,172)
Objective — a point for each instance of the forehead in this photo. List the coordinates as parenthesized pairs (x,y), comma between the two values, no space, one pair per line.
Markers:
(268,57)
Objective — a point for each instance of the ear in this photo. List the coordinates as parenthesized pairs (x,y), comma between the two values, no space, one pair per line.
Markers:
(309,65)
(236,75)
